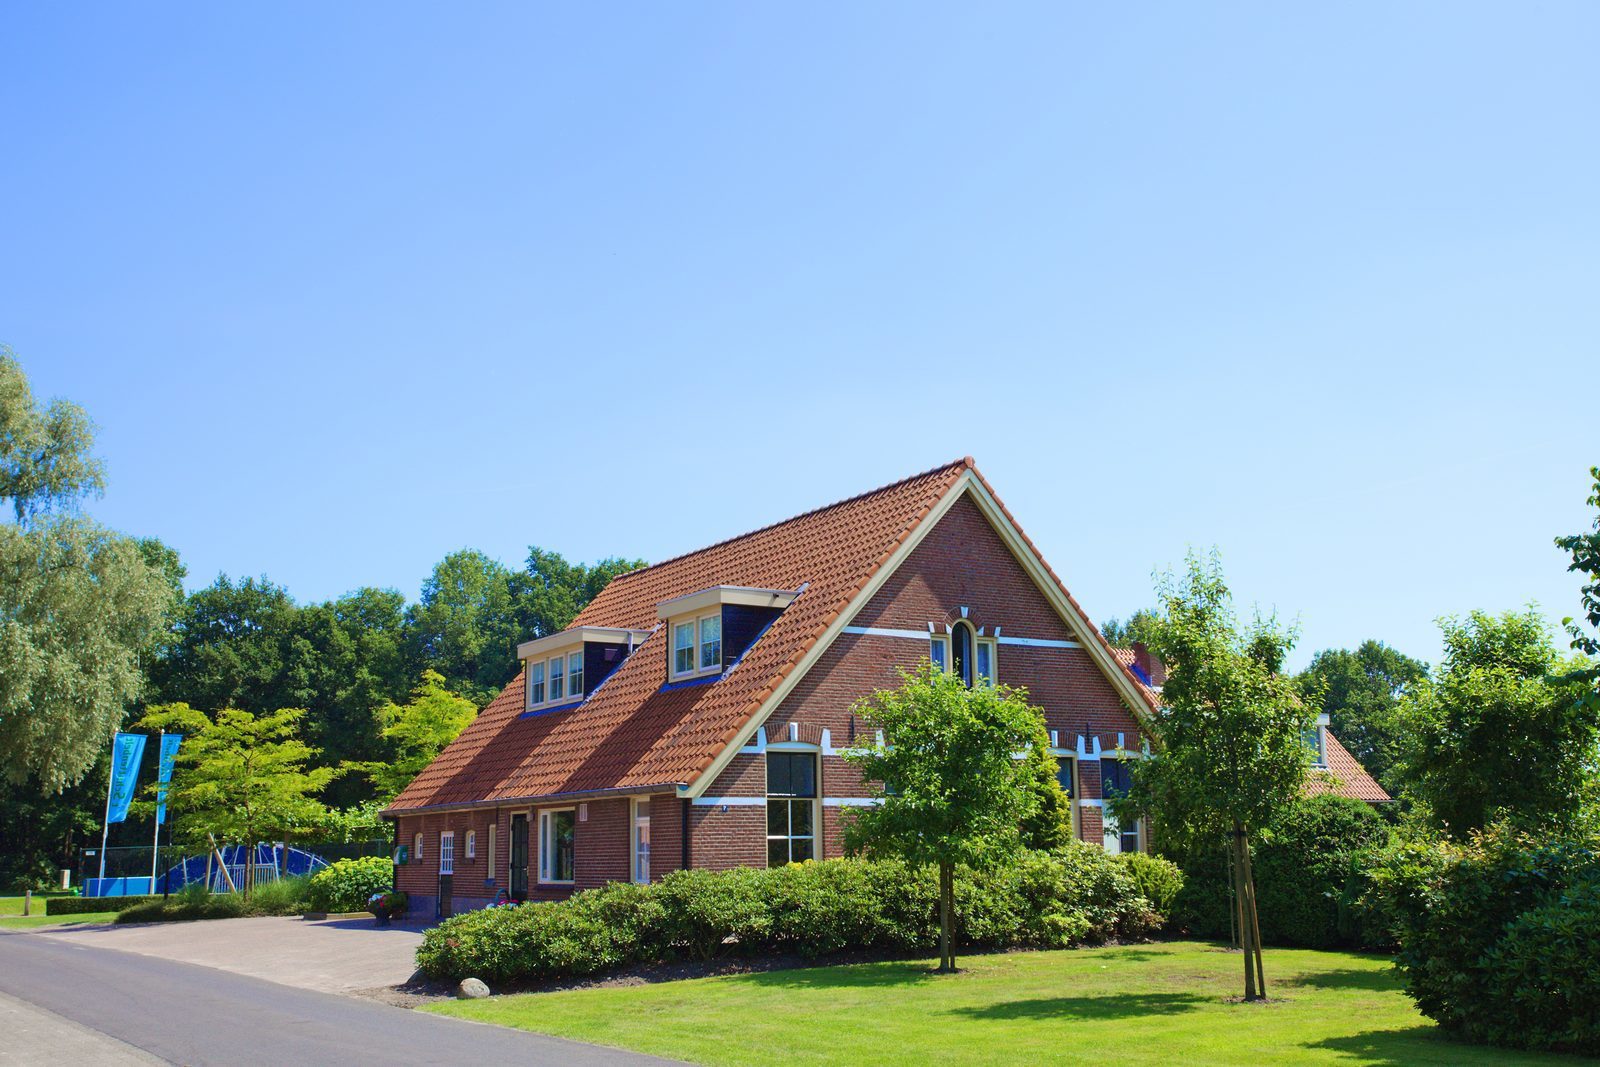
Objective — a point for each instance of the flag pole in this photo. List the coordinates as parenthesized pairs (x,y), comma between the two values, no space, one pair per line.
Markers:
(155,847)
(105,825)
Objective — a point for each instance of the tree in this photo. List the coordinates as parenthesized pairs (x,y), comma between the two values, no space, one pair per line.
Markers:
(1139,628)
(45,460)
(1584,549)
(549,592)
(950,789)
(1232,751)
(1360,693)
(1502,729)
(417,731)
(240,778)
(465,626)
(1048,826)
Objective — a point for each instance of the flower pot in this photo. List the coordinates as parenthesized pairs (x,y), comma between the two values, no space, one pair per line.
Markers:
(382,918)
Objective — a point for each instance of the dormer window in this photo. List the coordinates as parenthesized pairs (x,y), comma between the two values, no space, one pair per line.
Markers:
(711,629)
(558,677)
(565,667)
(536,683)
(1316,739)
(711,642)
(697,646)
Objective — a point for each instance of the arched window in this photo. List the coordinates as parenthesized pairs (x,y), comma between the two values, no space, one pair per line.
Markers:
(961,651)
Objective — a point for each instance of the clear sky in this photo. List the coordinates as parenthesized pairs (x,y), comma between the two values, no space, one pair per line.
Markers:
(348,286)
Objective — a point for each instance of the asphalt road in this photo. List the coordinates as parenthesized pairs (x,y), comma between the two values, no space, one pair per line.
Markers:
(187,1014)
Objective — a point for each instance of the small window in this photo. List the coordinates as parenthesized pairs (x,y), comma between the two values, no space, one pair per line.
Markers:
(710,642)
(791,807)
(557,838)
(557,679)
(641,841)
(490,858)
(939,651)
(985,661)
(472,844)
(1066,777)
(575,674)
(416,855)
(683,648)
(1116,780)
(961,652)
(536,683)
(447,852)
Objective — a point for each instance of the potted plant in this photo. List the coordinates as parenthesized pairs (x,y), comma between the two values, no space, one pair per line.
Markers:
(387,905)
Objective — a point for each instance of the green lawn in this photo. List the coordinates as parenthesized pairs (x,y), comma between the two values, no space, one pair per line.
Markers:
(11,916)
(1157,1004)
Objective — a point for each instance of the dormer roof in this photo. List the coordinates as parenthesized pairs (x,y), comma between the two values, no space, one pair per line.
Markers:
(573,636)
(717,595)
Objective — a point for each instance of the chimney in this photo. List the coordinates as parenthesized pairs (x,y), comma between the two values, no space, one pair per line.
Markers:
(1149,664)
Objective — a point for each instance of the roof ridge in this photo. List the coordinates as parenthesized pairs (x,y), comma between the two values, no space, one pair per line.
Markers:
(965,461)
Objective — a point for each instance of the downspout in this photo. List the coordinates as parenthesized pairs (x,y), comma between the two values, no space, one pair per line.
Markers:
(686,853)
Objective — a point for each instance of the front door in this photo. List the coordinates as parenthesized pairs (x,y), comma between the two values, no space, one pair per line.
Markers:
(519,857)
(447,871)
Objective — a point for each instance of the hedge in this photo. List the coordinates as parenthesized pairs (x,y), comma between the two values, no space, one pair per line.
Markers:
(285,896)
(1500,938)
(348,884)
(1308,869)
(80,905)
(812,909)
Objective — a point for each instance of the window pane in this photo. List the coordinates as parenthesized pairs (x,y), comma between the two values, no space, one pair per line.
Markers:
(777,852)
(778,778)
(683,648)
(557,681)
(536,683)
(777,818)
(1114,778)
(803,773)
(711,642)
(1130,840)
(575,674)
(563,825)
(936,653)
(800,817)
(800,849)
(961,651)
(1064,777)
(985,661)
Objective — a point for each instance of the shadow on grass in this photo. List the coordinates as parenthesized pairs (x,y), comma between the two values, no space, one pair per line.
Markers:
(1427,1044)
(1109,1006)
(1346,978)
(856,976)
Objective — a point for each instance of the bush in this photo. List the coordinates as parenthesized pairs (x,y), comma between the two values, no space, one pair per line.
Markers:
(1500,938)
(1308,869)
(81,905)
(1158,879)
(286,896)
(348,884)
(812,909)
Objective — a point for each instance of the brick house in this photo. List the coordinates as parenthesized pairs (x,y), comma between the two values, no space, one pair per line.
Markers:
(694,713)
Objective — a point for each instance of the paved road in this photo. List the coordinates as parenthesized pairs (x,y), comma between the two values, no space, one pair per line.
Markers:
(187,1014)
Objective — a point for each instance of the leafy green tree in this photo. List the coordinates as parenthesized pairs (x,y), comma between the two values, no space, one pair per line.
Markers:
(549,592)
(1360,693)
(949,786)
(1048,825)
(1584,549)
(466,625)
(240,778)
(1139,627)
(1232,752)
(417,731)
(79,604)
(1502,729)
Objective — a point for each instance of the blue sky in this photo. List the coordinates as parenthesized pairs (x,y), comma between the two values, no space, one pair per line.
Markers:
(349,286)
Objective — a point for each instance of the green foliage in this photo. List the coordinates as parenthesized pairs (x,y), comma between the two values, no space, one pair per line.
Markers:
(1158,879)
(1139,628)
(1048,824)
(44,452)
(812,909)
(1501,730)
(282,897)
(1360,692)
(1584,548)
(86,905)
(1309,866)
(1500,936)
(416,732)
(347,885)
(1232,752)
(239,778)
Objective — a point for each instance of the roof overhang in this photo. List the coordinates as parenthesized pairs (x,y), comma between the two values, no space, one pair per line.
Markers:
(717,595)
(577,635)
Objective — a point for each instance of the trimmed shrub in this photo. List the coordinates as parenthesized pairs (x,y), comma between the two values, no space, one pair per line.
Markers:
(80,905)
(1158,879)
(286,896)
(348,884)
(811,909)
(1500,938)
(1308,870)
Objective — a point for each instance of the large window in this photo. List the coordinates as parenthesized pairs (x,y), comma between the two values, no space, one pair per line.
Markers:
(1116,781)
(558,678)
(697,646)
(791,807)
(641,841)
(963,653)
(557,835)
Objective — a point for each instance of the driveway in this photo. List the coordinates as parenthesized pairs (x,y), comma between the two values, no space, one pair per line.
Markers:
(333,956)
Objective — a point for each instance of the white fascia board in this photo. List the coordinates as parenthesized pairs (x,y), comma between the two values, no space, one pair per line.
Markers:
(717,595)
(577,635)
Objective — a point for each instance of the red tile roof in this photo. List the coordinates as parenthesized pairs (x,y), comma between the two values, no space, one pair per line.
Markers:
(631,734)
(1345,776)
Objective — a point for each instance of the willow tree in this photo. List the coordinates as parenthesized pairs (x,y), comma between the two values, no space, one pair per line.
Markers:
(1233,749)
(948,784)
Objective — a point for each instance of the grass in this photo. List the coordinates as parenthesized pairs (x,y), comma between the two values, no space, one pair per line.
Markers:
(1148,1004)
(11,917)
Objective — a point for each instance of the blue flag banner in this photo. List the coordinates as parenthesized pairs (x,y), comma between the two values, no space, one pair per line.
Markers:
(169,752)
(126,752)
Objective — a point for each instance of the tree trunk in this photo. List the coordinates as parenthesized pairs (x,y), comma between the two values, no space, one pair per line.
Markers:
(1255,918)
(947,952)
(1233,900)
(1246,929)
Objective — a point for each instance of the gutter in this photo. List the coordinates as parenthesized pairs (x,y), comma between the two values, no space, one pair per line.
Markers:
(541,798)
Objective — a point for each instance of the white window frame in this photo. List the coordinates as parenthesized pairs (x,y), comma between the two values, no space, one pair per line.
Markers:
(547,845)
(489,859)
(798,748)
(546,673)
(543,691)
(575,692)
(557,667)
(945,660)
(1066,757)
(472,845)
(634,843)
(447,852)
(941,642)
(696,647)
